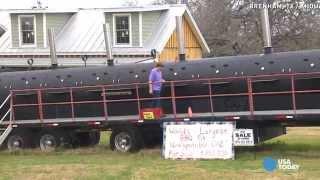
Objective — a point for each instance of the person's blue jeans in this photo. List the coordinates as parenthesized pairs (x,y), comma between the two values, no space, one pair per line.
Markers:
(156,102)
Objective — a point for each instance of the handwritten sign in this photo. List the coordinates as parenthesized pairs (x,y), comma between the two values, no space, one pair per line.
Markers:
(198,140)
(243,137)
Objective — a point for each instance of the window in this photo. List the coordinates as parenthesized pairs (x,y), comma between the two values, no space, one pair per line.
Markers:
(27,30)
(122,29)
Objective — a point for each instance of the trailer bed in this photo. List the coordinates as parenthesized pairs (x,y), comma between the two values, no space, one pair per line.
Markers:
(243,115)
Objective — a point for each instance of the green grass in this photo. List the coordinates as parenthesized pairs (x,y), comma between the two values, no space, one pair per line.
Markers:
(301,145)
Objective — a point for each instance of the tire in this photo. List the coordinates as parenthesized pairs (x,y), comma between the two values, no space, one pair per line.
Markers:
(19,140)
(16,143)
(50,140)
(125,140)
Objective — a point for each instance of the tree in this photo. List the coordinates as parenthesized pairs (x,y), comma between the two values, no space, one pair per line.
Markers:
(233,27)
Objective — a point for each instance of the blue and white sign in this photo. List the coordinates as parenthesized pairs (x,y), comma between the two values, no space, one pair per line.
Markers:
(270,164)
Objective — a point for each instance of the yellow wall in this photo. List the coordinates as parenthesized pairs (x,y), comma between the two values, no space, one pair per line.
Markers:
(192,46)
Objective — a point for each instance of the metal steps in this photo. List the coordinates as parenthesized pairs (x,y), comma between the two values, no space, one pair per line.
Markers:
(5,133)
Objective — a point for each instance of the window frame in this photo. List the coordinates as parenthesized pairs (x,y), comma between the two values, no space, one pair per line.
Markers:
(114,16)
(21,44)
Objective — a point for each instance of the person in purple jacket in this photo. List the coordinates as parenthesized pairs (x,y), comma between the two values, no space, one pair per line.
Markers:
(155,83)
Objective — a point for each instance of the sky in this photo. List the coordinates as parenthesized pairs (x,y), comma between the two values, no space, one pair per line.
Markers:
(65,4)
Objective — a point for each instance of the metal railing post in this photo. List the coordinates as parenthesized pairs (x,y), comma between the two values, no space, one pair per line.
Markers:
(72,104)
(210,95)
(40,105)
(138,99)
(105,110)
(250,95)
(11,109)
(173,98)
(293,92)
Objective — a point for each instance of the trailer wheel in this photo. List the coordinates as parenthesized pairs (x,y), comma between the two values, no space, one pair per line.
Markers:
(125,140)
(19,140)
(16,142)
(49,141)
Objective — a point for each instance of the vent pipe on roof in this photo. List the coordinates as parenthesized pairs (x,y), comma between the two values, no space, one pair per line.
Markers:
(107,42)
(180,38)
(266,31)
(53,52)
(182,1)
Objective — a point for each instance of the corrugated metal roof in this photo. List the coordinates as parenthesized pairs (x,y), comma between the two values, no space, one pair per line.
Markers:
(83,33)
(113,9)
(5,23)
(42,10)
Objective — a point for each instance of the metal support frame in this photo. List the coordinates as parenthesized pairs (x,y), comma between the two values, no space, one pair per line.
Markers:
(138,98)
(293,92)
(72,104)
(12,118)
(40,106)
(250,95)
(173,96)
(105,110)
(210,94)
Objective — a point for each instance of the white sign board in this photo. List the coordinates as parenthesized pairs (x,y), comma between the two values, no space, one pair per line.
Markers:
(243,137)
(198,140)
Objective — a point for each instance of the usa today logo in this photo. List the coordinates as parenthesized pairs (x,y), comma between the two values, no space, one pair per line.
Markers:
(271,164)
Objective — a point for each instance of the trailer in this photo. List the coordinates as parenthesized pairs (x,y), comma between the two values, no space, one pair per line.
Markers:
(132,131)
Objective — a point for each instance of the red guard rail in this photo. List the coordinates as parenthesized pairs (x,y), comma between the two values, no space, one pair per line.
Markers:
(211,95)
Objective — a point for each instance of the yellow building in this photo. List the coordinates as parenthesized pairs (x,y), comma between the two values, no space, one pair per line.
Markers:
(193,49)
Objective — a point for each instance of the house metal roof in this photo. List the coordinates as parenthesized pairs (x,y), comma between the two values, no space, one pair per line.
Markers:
(5,38)
(113,9)
(83,33)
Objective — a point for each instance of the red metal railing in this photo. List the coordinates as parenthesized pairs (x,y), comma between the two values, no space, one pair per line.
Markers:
(173,97)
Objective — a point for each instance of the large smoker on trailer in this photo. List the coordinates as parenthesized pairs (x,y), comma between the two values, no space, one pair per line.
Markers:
(266,93)
(70,106)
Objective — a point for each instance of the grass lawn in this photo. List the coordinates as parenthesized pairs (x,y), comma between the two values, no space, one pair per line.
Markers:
(301,145)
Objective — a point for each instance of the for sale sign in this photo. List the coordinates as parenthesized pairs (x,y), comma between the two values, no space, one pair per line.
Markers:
(198,140)
(243,137)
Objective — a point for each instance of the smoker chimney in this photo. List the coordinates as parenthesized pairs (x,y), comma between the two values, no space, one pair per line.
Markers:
(107,41)
(53,52)
(266,31)
(182,2)
(180,38)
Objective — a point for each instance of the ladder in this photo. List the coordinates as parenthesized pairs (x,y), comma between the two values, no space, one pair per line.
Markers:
(4,132)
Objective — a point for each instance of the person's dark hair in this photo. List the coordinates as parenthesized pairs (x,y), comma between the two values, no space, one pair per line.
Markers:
(159,64)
